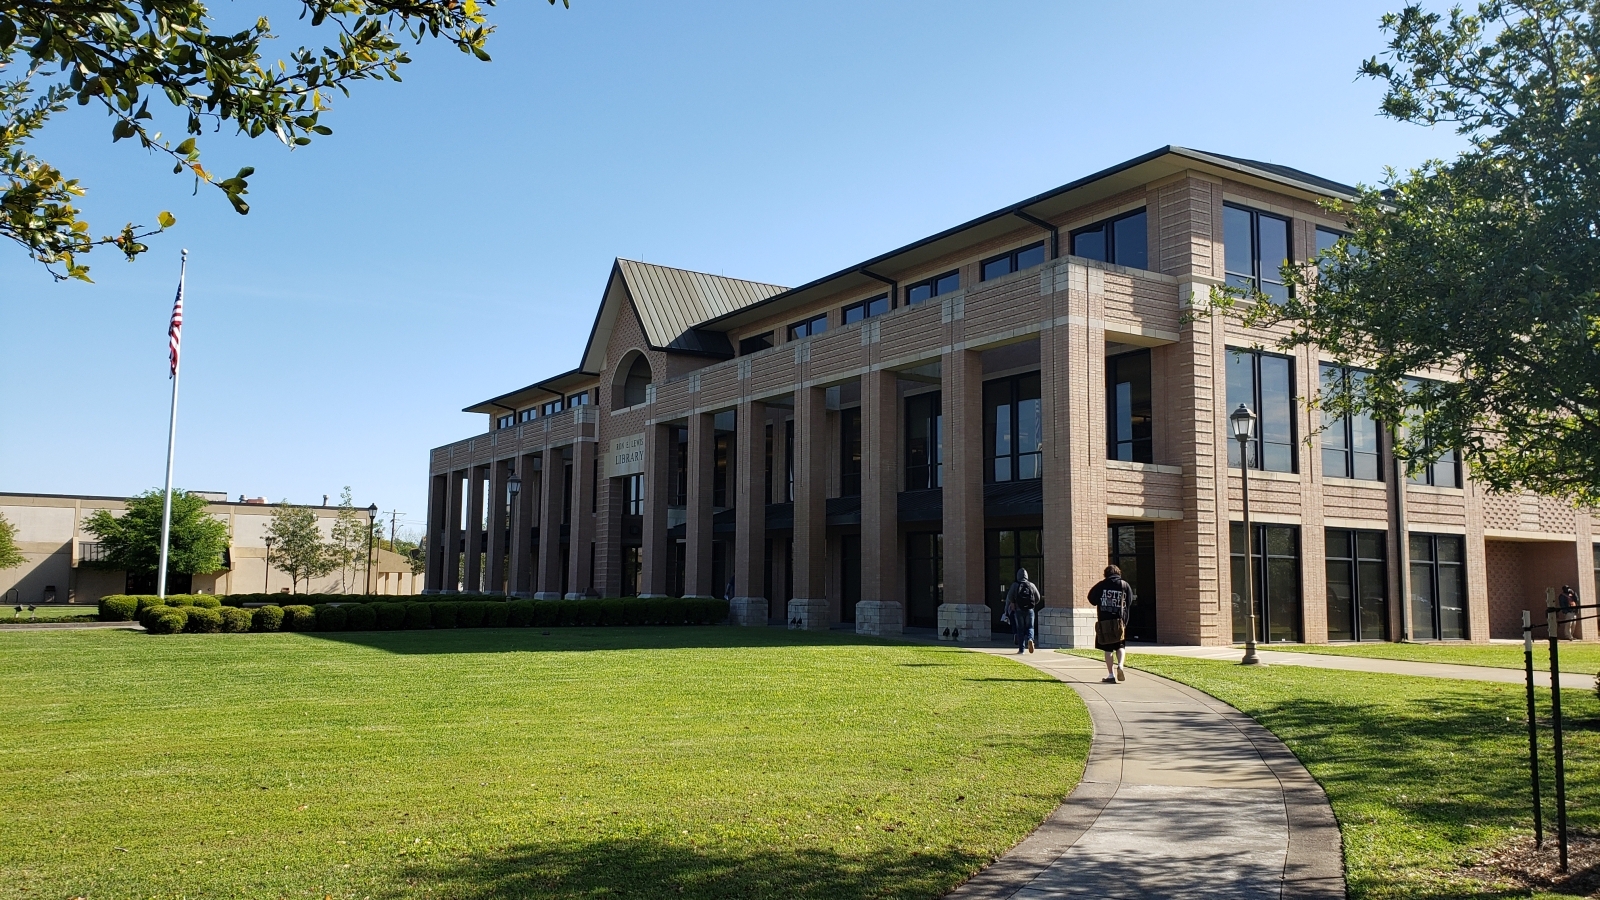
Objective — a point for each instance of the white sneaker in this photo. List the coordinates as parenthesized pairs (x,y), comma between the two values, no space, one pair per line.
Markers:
(1122,674)
(1030,646)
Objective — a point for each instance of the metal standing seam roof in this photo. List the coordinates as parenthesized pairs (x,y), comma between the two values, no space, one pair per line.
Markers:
(674,301)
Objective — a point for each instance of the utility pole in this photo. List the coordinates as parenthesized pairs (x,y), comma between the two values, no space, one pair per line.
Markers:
(394,515)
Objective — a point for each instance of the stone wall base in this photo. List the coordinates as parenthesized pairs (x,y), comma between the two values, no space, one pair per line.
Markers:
(965,623)
(809,615)
(880,617)
(747,611)
(547,595)
(1069,628)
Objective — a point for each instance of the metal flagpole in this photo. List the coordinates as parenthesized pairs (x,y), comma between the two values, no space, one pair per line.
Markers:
(172,429)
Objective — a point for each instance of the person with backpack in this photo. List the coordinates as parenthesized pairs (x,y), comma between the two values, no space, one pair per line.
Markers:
(1112,599)
(1022,600)
(1568,602)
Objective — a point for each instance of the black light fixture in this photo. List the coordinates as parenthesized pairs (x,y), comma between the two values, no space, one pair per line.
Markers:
(1243,423)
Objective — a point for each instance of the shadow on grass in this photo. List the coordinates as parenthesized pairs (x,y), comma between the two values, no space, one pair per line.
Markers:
(646,867)
(524,640)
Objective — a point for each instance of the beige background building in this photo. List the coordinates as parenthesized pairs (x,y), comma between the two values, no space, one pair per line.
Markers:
(51,536)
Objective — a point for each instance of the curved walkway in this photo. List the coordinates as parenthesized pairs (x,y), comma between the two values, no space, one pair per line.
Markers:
(1182,797)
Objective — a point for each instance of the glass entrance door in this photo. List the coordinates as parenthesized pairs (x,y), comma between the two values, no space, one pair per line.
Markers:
(1133,550)
(924,578)
(1006,551)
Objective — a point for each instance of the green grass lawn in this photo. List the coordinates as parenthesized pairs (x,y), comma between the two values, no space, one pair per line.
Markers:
(692,762)
(1424,774)
(1575,657)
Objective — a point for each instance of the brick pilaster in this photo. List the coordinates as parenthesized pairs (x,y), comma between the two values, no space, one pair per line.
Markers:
(659,548)
(750,538)
(580,529)
(880,485)
(697,580)
(522,521)
(810,605)
(962,396)
(497,525)
(552,482)
(474,570)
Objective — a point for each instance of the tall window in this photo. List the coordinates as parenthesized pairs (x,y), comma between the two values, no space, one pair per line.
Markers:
(579,399)
(924,578)
(930,288)
(505,421)
(633,495)
(1255,247)
(632,571)
(1444,471)
(1326,239)
(850,452)
(924,442)
(788,460)
(1265,383)
(680,467)
(810,327)
(1358,585)
(1133,550)
(767,495)
(1013,428)
(1015,261)
(551,408)
(1349,442)
(1438,587)
(866,309)
(1122,240)
(722,451)
(1129,409)
(528,415)
(1275,570)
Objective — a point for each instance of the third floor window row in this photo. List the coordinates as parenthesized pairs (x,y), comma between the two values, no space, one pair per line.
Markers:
(1255,249)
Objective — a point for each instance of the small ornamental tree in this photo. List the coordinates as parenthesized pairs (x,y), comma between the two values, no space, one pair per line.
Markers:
(298,549)
(1482,272)
(10,554)
(347,543)
(132,542)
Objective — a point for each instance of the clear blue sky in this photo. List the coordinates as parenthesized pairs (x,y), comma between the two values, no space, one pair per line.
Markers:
(451,240)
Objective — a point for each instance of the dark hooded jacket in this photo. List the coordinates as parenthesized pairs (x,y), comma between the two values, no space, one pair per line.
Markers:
(1024,594)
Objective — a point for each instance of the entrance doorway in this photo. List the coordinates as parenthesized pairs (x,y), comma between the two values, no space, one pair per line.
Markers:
(1005,551)
(1133,550)
(924,579)
(1275,571)
(849,576)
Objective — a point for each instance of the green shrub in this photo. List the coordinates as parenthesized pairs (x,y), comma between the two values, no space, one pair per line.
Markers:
(299,617)
(180,600)
(331,618)
(118,608)
(363,617)
(521,613)
(168,620)
(419,615)
(145,601)
(267,618)
(207,601)
(470,614)
(546,613)
(610,612)
(445,614)
(149,613)
(234,619)
(496,615)
(391,616)
(633,610)
(202,620)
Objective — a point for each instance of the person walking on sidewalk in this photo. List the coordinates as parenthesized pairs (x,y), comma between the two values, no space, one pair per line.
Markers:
(1567,600)
(1021,602)
(1112,599)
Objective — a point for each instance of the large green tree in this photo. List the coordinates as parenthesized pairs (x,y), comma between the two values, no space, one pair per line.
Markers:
(298,548)
(132,541)
(10,553)
(133,58)
(1484,270)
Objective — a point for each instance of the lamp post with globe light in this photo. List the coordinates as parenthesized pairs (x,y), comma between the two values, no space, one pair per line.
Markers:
(1243,423)
(513,487)
(372,522)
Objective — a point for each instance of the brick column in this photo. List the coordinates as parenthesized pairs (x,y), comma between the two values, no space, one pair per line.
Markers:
(438,502)
(750,537)
(452,541)
(552,478)
(497,526)
(608,537)
(659,547)
(580,529)
(880,514)
(473,581)
(810,607)
(697,581)
(521,578)
(963,615)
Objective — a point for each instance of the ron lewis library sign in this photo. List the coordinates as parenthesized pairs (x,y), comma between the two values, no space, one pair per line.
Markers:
(626,456)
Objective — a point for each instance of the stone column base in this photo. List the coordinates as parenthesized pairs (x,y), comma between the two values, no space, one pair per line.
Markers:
(747,611)
(1062,627)
(547,595)
(432,591)
(966,623)
(522,595)
(880,617)
(809,615)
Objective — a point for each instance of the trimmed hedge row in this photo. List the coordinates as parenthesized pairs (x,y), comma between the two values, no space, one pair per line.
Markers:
(417,614)
(126,607)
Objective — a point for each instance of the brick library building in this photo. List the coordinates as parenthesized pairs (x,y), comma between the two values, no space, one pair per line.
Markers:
(885,446)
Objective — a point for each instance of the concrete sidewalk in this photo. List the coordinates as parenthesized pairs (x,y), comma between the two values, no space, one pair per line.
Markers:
(1183,797)
(1367,664)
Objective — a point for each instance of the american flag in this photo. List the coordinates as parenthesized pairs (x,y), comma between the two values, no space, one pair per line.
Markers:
(175,331)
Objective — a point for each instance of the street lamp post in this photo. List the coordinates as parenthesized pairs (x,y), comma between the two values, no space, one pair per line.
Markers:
(1243,423)
(266,578)
(513,487)
(372,522)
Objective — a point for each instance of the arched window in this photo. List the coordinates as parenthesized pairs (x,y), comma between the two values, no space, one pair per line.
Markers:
(639,379)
